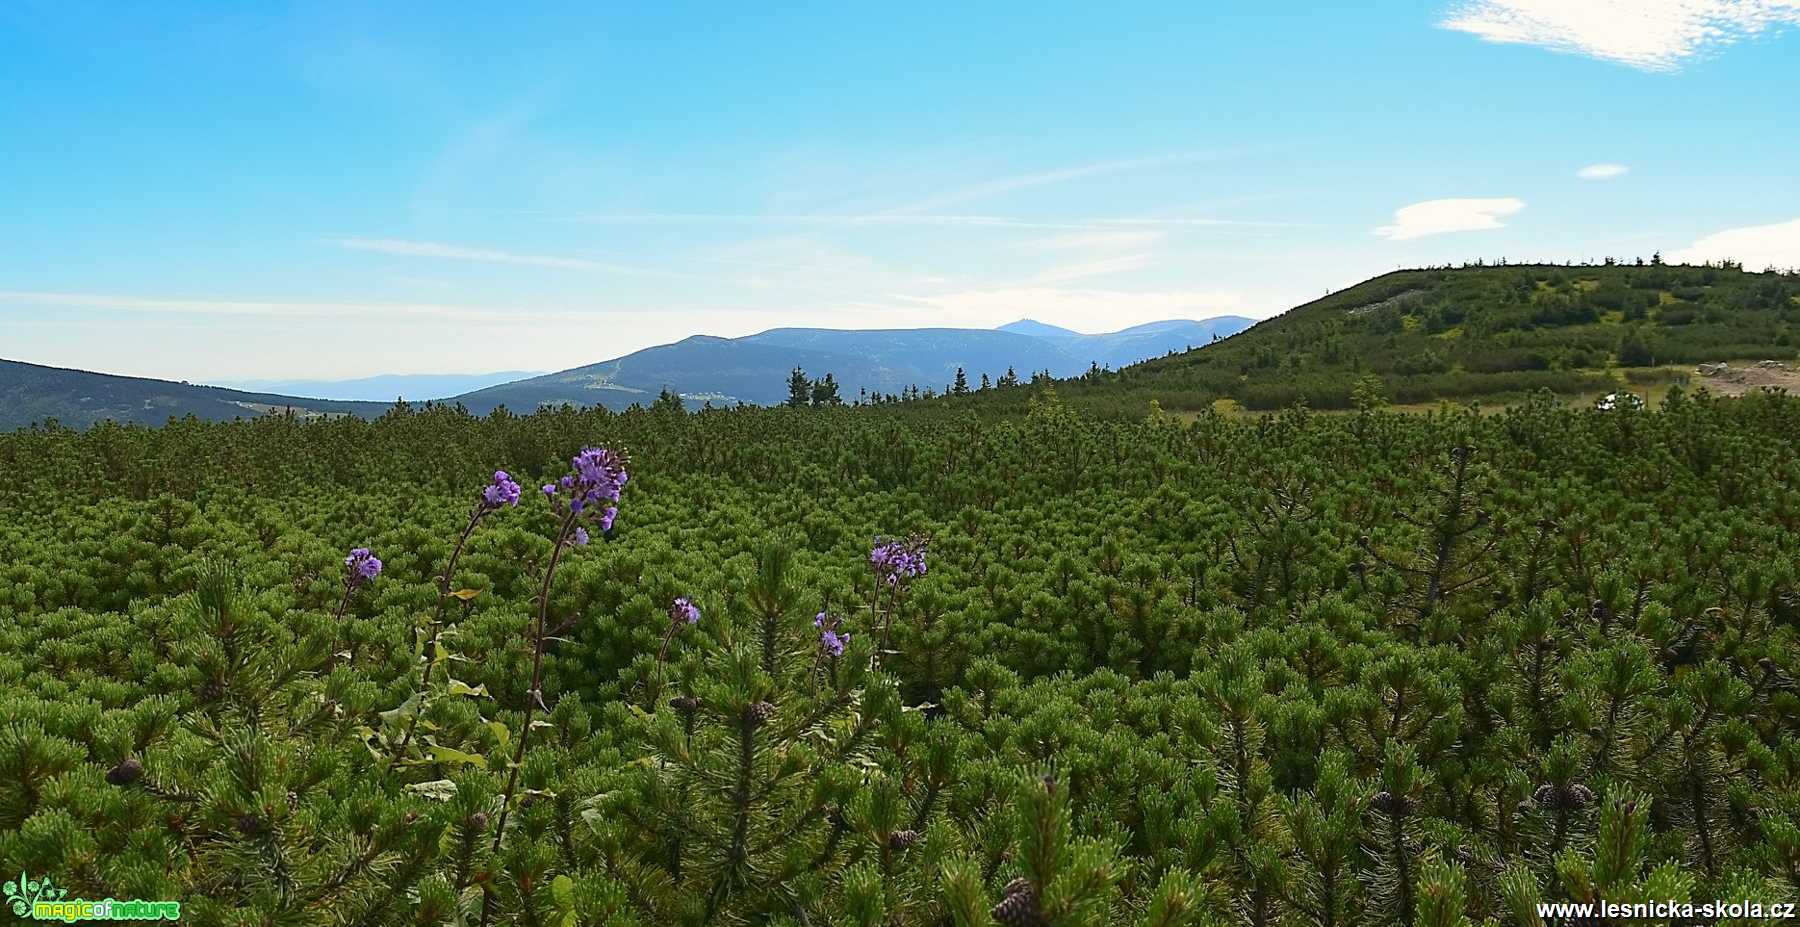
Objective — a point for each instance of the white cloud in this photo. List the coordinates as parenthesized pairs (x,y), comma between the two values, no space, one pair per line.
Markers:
(909,219)
(1046,178)
(1602,171)
(435,249)
(249,308)
(1435,217)
(1098,267)
(1651,35)
(1757,247)
(1108,240)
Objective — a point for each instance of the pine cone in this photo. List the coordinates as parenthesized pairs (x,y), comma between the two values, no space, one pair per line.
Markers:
(759,714)
(478,822)
(125,773)
(1020,907)
(249,825)
(1579,796)
(1546,796)
(902,839)
(212,690)
(686,704)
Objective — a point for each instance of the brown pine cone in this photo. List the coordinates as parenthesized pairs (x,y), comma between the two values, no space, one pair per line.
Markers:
(1020,907)
(125,773)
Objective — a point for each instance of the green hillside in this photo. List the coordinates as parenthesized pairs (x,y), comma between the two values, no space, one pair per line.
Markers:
(31,393)
(1495,332)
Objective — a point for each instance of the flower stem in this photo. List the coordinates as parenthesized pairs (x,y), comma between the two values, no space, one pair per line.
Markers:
(535,695)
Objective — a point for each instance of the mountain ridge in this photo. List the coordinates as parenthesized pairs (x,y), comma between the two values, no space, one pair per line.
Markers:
(754,368)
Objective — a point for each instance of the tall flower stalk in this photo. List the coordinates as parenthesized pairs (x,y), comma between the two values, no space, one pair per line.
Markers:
(895,563)
(589,494)
(501,492)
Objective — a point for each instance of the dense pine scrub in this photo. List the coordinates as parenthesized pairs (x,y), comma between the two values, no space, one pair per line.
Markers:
(1497,333)
(905,666)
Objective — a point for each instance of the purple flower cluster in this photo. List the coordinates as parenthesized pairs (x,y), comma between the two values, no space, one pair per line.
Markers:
(595,485)
(831,640)
(361,567)
(502,491)
(896,561)
(682,610)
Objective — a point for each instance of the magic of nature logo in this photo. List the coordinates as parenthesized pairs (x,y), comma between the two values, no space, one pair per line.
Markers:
(41,900)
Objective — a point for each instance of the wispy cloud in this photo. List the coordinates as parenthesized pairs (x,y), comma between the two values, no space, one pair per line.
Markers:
(1104,240)
(249,308)
(1027,181)
(1099,267)
(433,249)
(1436,217)
(1602,171)
(1651,35)
(1757,247)
(933,219)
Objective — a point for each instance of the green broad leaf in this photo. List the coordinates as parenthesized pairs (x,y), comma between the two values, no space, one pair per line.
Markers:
(436,789)
(458,687)
(502,733)
(465,594)
(445,754)
(406,710)
(562,889)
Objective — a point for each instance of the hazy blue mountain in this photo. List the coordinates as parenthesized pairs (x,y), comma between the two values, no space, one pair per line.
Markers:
(1039,329)
(77,398)
(723,371)
(755,368)
(413,387)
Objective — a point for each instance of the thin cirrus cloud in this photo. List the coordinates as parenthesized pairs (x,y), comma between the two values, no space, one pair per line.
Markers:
(247,307)
(1650,35)
(927,219)
(1437,217)
(1757,247)
(1606,171)
(433,249)
(1098,267)
(1028,181)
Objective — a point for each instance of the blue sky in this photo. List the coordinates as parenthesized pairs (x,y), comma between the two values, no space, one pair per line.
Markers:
(258,190)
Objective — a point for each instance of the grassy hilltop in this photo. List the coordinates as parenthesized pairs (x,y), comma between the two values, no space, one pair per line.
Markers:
(1494,333)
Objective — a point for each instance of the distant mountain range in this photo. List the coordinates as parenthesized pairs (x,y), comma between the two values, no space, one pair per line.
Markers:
(723,371)
(413,387)
(755,368)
